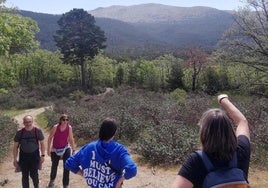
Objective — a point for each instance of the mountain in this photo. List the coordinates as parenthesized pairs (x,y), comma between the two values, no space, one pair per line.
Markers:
(147,28)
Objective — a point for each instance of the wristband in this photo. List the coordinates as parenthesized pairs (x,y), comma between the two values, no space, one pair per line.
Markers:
(42,155)
(222,98)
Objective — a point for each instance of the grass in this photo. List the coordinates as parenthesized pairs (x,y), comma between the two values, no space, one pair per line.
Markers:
(12,112)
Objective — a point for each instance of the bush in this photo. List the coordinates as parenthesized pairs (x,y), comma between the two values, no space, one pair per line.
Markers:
(167,143)
(156,127)
(8,129)
(179,95)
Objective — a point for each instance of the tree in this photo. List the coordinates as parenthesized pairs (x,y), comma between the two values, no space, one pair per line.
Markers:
(17,33)
(247,41)
(79,39)
(195,59)
(175,78)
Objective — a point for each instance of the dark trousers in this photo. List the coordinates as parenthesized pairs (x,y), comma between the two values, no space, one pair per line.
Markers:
(55,162)
(29,163)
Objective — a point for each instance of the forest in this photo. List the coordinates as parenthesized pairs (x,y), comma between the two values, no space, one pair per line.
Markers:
(157,100)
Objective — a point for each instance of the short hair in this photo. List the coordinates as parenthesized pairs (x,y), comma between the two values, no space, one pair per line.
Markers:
(107,129)
(217,135)
(27,117)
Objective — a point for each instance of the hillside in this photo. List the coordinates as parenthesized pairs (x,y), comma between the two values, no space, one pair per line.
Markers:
(147,28)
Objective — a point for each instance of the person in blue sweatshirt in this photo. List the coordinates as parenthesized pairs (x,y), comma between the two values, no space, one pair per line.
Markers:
(103,163)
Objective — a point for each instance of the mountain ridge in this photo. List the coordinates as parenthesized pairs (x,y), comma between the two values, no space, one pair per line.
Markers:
(148,28)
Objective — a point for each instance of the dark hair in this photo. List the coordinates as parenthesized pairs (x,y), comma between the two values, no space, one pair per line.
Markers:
(62,117)
(217,136)
(107,129)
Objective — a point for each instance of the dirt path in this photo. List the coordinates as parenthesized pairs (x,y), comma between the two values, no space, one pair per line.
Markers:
(146,177)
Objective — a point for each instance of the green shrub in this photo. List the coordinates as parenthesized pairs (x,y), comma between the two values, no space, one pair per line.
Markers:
(8,129)
(179,95)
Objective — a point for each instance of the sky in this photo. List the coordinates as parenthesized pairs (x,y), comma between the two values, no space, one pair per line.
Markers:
(63,6)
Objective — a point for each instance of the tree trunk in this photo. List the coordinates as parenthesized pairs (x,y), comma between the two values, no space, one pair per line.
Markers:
(193,83)
(83,75)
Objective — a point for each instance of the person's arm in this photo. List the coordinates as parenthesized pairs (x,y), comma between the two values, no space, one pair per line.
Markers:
(130,168)
(120,182)
(42,148)
(181,182)
(239,119)
(15,154)
(71,140)
(73,164)
(128,165)
(49,140)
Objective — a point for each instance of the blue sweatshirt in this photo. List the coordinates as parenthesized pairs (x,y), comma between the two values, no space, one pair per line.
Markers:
(102,164)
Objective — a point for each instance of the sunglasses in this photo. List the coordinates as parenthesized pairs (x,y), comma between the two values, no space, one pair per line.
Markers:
(64,119)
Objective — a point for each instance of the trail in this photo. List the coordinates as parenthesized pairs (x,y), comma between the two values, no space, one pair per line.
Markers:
(14,179)
(147,177)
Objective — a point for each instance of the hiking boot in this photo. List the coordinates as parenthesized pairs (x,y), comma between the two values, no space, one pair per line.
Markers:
(51,184)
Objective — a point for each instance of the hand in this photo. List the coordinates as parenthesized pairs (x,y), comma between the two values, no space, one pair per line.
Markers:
(15,163)
(73,152)
(120,182)
(80,173)
(42,159)
(221,97)
(48,152)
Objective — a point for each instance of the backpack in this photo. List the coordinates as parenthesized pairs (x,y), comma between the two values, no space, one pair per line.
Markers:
(35,134)
(225,177)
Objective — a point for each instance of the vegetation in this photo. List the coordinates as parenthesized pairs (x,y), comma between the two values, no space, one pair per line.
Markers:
(157,126)
(17,33)
(7,128)
(157,101)
(79,39)
(247,42)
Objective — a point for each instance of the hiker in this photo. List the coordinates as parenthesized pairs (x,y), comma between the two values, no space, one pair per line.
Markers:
(60,145)
(26,143)
(105,162)
(220,143)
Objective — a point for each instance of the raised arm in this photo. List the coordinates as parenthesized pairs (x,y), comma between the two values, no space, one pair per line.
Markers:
(239,119)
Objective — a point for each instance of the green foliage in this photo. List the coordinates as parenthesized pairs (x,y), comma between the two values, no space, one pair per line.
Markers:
(8,129)
(215,80)
(8,76)
(246,41)
(19,98)
(148,76)
(165,63)
(175,78)
(101,72)
(40,67)
(79,39)
(17,34)
(77,95)
(143,117)
(120,74)
(179,95)
(168,143)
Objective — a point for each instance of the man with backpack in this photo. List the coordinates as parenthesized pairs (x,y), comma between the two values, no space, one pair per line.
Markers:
(26,145)
(223,160)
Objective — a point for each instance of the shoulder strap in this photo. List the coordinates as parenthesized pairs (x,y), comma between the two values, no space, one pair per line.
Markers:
(209,166)
(233,162)
(35,133)
(21,133)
